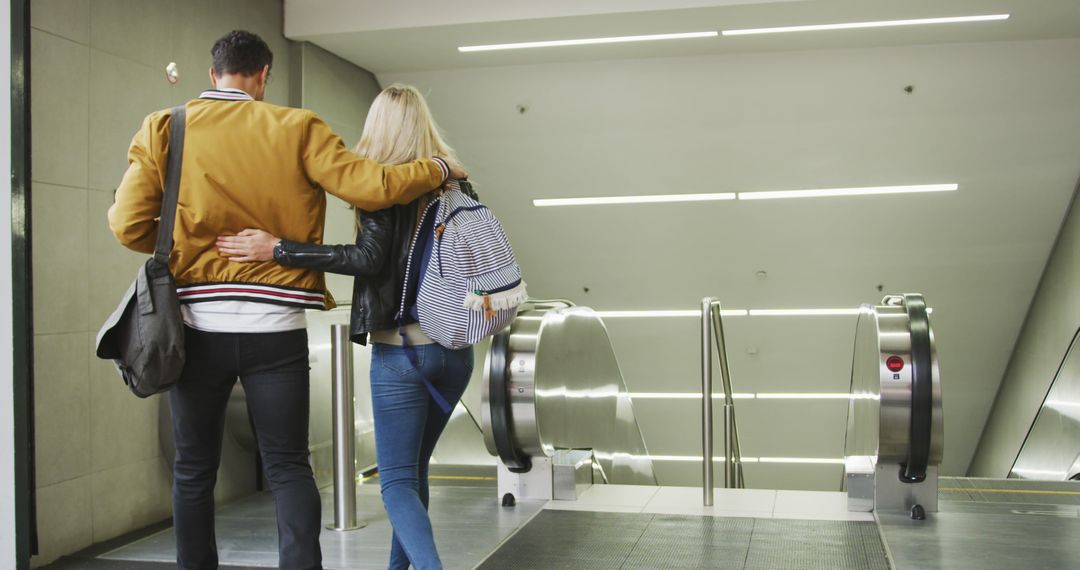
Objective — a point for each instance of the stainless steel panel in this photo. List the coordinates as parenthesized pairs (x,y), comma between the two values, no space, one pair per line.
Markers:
(534,485)
(859,483)
(1051,451)
(571,473)
(864,407)
(566,391)
(461,442)
(879,416)
(890,494)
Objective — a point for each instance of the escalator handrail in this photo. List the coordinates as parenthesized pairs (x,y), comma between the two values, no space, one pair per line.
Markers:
(913,470)
(499,402)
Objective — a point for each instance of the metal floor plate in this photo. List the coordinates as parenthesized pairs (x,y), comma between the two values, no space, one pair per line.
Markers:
(468,523)
(990,523)
(579,539)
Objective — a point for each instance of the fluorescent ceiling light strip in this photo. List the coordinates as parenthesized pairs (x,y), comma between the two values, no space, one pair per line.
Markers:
(753,396)
(590,41)
(696,313)
(663,314)
(877,24)
(802,396)
(655,199)
(685,396)
(794,460)
(673,457)
(647,314)
(803,312)
(865,191)
(669,396)
(767,195)
(815,460)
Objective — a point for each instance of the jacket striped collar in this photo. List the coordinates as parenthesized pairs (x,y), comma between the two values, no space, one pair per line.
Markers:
(226,94)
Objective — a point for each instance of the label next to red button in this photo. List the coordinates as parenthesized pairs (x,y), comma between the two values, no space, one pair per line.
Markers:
(894,364)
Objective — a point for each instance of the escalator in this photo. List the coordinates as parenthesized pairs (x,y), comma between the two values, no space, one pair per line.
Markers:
(895,434)
(1051,449)
(552,384)
(548,393)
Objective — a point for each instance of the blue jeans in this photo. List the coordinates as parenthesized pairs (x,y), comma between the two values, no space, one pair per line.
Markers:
(407,427)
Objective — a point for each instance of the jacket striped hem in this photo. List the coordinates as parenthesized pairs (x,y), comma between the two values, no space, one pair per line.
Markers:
(272,294)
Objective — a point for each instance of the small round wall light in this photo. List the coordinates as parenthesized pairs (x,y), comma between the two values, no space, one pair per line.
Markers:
(172,73)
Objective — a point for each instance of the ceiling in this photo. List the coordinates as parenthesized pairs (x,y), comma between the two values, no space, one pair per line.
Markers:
(386,36)
(994,107)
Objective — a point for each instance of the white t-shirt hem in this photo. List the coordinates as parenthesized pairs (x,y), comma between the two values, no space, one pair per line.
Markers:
(242,317)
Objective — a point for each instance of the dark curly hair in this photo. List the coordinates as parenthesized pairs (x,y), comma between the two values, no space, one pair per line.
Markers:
(240,52)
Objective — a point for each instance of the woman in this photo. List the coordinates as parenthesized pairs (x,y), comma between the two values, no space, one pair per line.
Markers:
(399,128)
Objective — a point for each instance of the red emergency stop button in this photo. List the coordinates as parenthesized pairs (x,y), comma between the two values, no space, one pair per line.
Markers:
(894,364)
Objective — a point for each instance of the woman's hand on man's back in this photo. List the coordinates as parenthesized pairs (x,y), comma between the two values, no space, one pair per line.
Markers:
(247,246)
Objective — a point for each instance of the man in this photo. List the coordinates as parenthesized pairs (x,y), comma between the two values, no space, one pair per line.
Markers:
(248,164)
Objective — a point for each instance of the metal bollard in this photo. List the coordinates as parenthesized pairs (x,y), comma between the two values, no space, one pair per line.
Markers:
(344,431)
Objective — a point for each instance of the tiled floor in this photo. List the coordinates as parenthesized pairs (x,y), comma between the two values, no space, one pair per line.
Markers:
(468,523)
(982,524)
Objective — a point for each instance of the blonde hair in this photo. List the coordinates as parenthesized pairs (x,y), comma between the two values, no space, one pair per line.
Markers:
(399,128)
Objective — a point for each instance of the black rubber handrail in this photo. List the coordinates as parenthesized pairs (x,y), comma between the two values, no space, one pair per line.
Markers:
(499,402)
(913,470)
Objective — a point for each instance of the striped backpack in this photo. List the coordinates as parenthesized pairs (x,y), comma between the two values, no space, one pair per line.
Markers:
(471,285)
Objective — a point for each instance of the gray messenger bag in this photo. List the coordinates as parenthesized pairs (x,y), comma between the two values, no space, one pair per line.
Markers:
(145,335)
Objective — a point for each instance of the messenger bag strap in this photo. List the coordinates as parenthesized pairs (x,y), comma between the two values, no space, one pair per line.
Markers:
(172,186)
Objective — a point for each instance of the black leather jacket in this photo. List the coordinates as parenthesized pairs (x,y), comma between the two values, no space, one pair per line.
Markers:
(377,261)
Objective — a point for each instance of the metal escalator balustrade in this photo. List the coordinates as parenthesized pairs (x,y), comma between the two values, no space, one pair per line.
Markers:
(894,440)
(1051,448)
(552,382)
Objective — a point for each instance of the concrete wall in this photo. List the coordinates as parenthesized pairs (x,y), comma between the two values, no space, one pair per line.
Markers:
(1051,323)
(98,69)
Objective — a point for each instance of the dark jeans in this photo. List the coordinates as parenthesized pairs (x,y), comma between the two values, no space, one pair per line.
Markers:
(273,368)
(408,424)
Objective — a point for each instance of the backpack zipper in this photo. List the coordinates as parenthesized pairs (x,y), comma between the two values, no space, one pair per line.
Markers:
(408,263)
(310,254)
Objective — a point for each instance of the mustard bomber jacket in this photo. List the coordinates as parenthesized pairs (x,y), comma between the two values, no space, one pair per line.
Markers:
(250,164)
